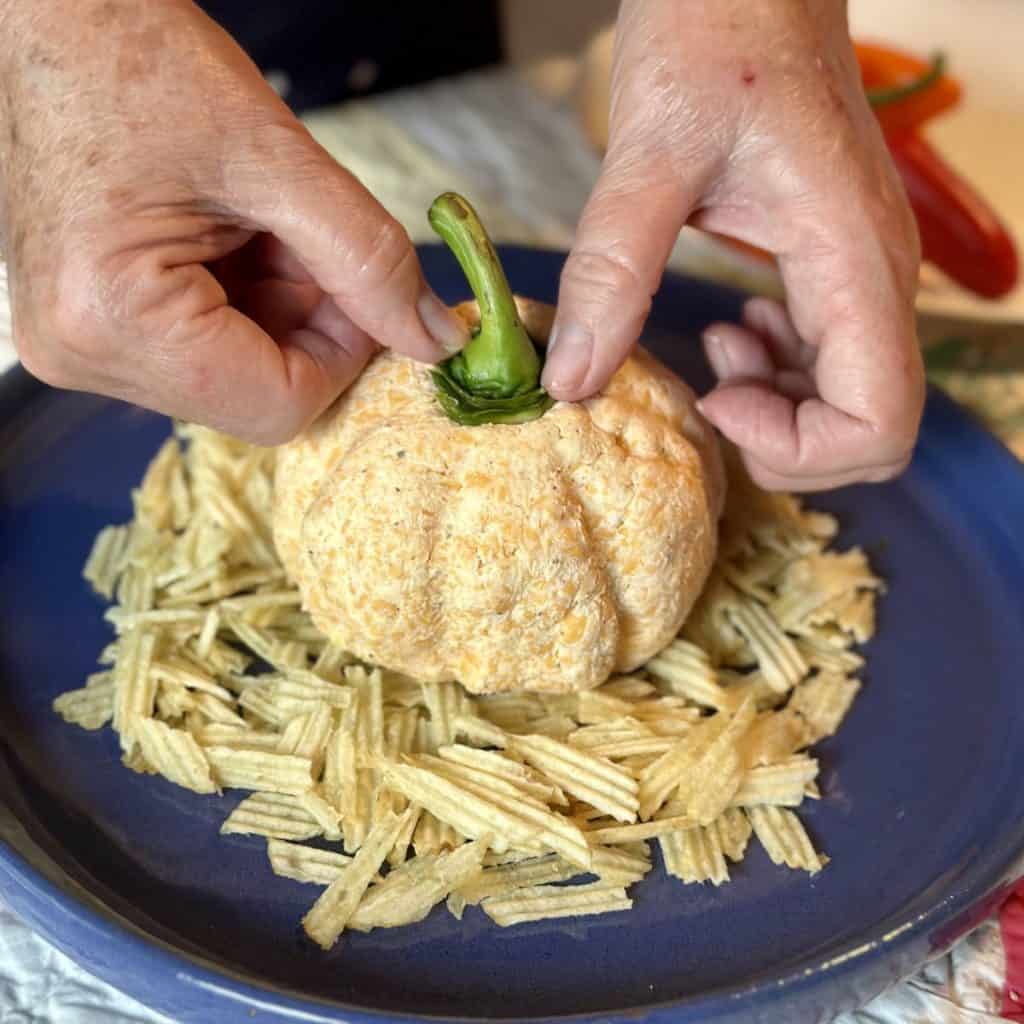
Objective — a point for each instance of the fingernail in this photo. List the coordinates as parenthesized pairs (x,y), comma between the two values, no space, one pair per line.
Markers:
(569,352)
(718,356)
(447,329)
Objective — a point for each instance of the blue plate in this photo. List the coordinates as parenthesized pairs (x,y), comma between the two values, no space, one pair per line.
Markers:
(923,811)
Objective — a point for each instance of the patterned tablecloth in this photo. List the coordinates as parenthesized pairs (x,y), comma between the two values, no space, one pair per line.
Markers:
(526,166)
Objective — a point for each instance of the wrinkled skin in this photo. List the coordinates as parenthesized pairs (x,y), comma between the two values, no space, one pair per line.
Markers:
(175,238)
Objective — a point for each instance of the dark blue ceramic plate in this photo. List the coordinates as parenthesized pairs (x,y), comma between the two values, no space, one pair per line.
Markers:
(923,811)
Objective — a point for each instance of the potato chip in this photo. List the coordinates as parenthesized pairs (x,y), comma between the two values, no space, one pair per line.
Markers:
(695,855)
(106,560)
(175,755)
(511,711)
(742,685)
(784,839)
(774,737)
(173,701)
(306,735)
(215,710)
(777,656)
(823,702)
(618,835)
(594,707)
(628,688)
(708,626)
(326,815)
(495,764)
(407,896)
(235,768)
(306,863)
(92,706)
(469,814)
(153,499)
(613,730)
(245,604)
(177,669)
(685,670)
(331,660)
(136,589)
(507,878)
(216,734)
(259,641)
(404,839)
(433,836)
(222,660)
(811,581)
(783,784)
(602,784)
(330,914)
(556,832)
(704,766)
(441,700)
(125,621)
(615,749)
(478,731)
(734,830)
(134,685)
(827,657)
(456,905)
(664,717)
(619,866)
(857,616)
(716,774)
(544,902)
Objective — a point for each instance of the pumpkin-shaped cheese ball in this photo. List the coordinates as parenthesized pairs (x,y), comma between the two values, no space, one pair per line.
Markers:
(538,555)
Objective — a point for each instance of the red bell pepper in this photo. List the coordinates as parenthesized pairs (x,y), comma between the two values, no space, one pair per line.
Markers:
(960,232)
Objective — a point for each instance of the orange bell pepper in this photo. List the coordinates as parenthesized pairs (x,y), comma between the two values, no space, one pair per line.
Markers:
(884,70)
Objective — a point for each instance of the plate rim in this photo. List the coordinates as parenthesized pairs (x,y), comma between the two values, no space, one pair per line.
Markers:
(999,868)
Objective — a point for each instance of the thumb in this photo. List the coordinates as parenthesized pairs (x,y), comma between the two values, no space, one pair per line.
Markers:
(353,249)
(623,241)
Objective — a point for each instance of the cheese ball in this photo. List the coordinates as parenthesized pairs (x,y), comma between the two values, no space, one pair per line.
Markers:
(540,556)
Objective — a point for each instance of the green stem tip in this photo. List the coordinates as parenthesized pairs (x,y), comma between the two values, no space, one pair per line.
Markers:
(496,377)
(887,95)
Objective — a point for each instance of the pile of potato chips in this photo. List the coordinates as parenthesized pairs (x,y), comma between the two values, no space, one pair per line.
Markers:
(417,794)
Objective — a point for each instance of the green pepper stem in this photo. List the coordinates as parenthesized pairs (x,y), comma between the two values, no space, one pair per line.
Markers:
(500,361)
(886,96)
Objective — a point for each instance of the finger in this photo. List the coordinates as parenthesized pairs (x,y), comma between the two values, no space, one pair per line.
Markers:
(351,246)
(850,299)
(624,239)
(737,354)
(799,440)
(772,481)
(261,258)
(218,367)
(278,306)
(771,322)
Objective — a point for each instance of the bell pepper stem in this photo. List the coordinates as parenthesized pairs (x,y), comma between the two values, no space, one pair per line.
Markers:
(887,95)
(500,361)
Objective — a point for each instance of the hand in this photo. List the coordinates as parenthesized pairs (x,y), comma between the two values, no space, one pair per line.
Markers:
(746,117)
(175,237)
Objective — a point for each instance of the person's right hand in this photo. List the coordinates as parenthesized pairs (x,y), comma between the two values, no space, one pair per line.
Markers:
(175,237)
